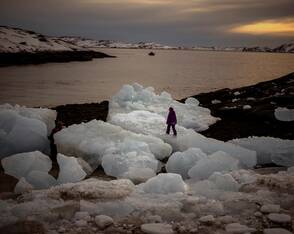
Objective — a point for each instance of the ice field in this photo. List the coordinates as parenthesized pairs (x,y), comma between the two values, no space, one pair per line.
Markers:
(205,178)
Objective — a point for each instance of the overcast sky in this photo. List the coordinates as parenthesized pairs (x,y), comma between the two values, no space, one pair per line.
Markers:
(174,22)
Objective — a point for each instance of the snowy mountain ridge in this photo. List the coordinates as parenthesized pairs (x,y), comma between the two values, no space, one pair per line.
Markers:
(14,40)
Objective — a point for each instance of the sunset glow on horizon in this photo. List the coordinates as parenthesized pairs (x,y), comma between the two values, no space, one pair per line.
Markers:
(172,22)
(273,27)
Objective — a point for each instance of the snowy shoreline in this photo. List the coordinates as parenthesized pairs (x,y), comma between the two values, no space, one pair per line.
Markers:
(245,111)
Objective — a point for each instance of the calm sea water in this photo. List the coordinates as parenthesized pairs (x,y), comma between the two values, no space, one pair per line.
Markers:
(182,73)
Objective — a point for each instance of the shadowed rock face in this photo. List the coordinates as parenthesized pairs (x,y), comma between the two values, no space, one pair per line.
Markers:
(259,120)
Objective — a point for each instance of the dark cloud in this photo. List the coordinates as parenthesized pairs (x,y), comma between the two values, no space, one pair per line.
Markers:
(186,22)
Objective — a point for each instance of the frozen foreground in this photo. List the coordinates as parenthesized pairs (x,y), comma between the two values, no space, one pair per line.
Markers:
(164,184)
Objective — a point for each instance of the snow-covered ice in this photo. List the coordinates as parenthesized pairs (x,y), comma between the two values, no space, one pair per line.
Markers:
(149,123)
(20,134)
(93,140)
(216,162)
(269,149)
(24,129)
(20,165)
(284,114)
(127,157)
(165,183)
(214,186)
(182,162)
(136,97)
(47,116)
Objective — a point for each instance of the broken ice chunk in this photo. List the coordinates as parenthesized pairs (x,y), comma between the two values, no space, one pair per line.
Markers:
(217,162)
(20,165)
(165,183)
(182,162)
(70,170)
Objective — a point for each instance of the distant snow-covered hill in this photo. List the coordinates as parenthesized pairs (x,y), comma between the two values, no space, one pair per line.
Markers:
(285,48)
(19,47)
(14,40)
(93,44)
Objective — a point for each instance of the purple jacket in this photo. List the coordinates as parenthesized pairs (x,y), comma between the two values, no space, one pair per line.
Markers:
(171,118)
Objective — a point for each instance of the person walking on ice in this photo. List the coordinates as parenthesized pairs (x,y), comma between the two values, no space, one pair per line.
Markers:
(171,121)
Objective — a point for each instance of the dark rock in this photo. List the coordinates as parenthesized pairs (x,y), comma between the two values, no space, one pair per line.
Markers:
(23,58)
(264,98)
(77,113)
(24,227)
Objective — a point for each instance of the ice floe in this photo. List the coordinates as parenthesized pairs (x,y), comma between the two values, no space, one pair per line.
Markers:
(20,165)
(216,162)
(149,123)
(269,149)
(182,162)
(24,129)
(119,150)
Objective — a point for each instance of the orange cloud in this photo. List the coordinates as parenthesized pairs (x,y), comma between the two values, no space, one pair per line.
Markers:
(273,27)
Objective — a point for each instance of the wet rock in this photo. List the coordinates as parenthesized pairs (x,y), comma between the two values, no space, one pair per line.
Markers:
(154,219)
(103,221)
(23,186)
(81,223)
(276,231)
(270,208)
(82,215)
(279,218)
(226,219)
(24,227)
(258,214)
(66,211)
(238,228)
(157,228)
(208,219)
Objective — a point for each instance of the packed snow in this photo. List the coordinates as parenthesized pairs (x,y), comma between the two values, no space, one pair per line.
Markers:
(269,149)
(284,114)
(24,129)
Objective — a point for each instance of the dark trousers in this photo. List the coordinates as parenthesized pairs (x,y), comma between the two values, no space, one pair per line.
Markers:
(173,127)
